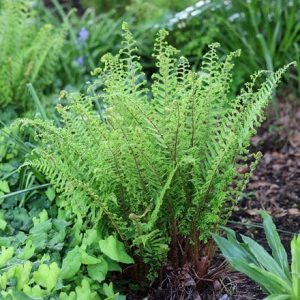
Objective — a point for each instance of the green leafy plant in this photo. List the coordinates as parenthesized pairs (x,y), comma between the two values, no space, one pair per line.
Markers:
(159,167)
(271,272)
(38,261)
(45,254)
(91,35)
(28,52)
(268,35)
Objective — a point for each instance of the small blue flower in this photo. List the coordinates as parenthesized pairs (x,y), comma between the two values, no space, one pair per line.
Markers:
(83,34)
(80,60)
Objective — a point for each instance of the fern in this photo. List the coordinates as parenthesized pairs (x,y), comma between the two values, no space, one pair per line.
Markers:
(159,167)
(27,53)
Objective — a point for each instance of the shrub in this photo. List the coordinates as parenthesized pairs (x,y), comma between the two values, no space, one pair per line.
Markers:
(271,272)
(27,53)
(158,167)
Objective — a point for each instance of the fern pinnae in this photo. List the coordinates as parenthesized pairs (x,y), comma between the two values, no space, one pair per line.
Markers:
(159,201)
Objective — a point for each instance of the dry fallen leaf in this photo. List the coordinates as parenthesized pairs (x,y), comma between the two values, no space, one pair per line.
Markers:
(293,211)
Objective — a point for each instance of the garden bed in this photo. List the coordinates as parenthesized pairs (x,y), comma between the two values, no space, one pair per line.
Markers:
(275,187)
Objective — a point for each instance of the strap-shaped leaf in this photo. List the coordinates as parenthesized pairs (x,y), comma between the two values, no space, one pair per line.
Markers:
(278,297)
(231,248)
(295,248)
(270,282)
(278,251)
(265,259)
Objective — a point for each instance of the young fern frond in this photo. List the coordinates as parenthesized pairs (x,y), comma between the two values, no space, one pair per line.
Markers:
(161,167)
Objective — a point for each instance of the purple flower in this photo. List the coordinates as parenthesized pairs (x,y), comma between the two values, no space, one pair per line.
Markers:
(83,34)
(80,60)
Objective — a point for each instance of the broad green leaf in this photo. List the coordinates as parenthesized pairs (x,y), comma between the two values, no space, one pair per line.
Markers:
(3,281)
(4,187)
(22,274)
(99,271)
(115,250)
(50,193)
(39,234)
(87,259)
(11,272)
(295,249)
(28,250)
(2,223)
(6,255)
(84,291)
(47,276)
(90,237)
(71,264)
(42,217)
(278,251)
(113,265)
(108,291)
(65,296)
(34,292)
(18,295)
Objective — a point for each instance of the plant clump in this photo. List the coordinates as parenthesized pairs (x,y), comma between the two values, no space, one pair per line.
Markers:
(162,163)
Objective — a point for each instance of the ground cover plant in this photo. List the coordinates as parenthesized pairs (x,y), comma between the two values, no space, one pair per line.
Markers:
(43,252)
(157,167)
(91,35)
(27,53)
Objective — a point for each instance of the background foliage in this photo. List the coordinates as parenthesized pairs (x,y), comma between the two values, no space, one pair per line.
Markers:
(29,53)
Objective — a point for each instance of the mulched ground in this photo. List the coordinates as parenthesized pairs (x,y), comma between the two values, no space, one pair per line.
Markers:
(275,185)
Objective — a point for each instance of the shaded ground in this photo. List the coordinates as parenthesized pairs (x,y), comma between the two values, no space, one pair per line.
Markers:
(275,185)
